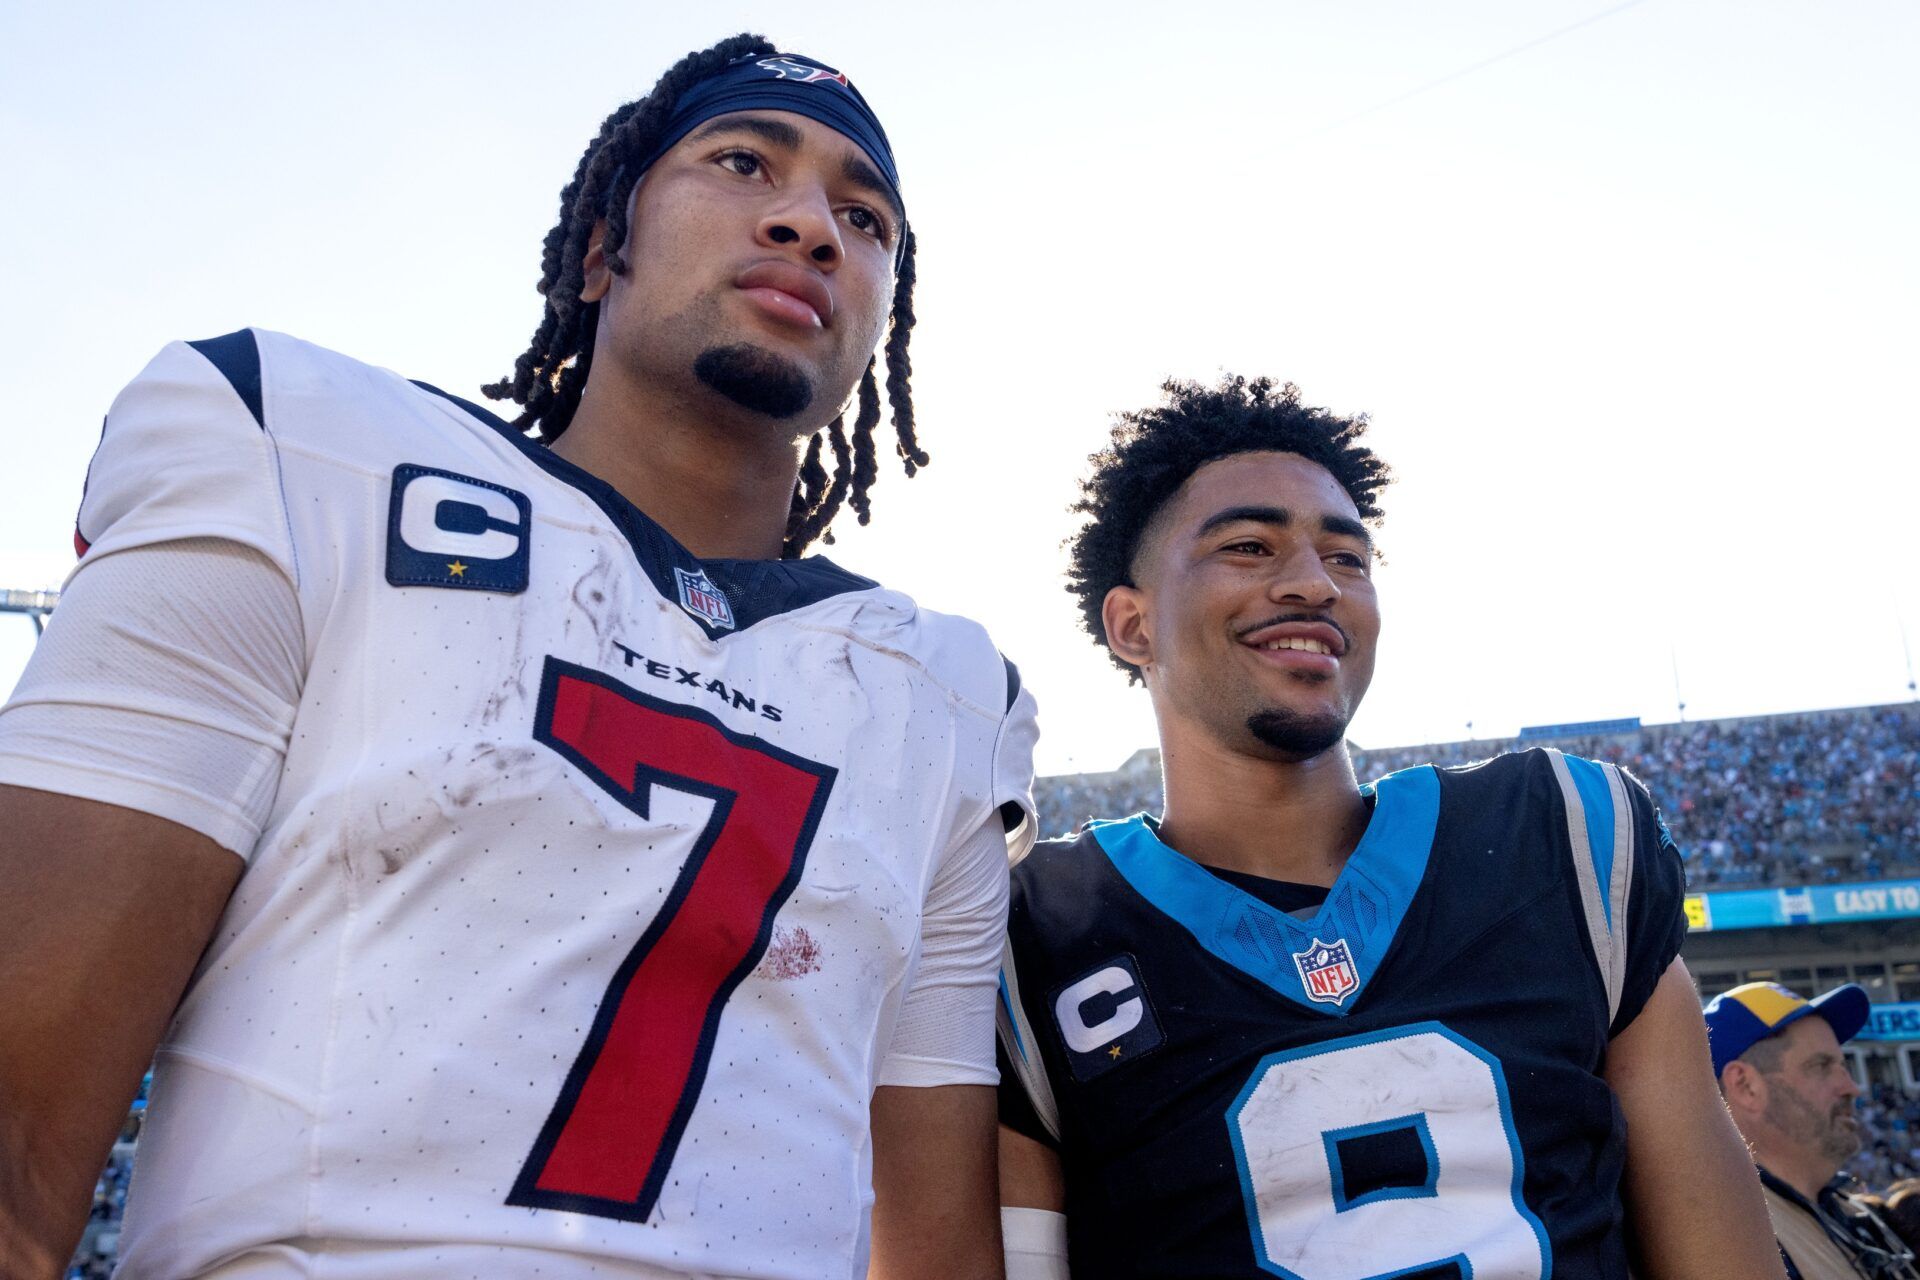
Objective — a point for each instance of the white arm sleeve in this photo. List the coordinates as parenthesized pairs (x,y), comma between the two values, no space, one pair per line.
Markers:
(166,682)
(1036,1242)
(944,1034)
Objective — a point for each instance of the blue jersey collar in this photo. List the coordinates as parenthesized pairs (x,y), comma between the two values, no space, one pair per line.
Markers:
(1355,925)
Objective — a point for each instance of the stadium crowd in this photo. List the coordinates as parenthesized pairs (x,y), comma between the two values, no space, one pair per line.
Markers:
(1891,1118)
(1765,801)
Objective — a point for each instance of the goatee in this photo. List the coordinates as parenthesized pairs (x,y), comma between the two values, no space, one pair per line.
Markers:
(1300,737)
(755,379)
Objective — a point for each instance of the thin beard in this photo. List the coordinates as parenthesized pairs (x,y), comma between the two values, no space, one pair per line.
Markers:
(1794,1115)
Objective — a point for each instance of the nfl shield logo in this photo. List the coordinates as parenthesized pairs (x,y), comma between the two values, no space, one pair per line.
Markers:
(1326,971)
(699,597)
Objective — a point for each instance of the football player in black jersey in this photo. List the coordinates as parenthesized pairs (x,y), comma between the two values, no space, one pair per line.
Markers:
(1436,1027)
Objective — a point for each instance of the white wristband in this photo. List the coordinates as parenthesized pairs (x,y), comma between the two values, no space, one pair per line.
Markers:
(1036,1241)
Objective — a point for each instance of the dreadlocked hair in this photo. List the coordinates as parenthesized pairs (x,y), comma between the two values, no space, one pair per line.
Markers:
(1153,452)
(549,376)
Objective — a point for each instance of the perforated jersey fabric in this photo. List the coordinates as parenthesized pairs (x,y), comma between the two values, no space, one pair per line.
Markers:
(601,886)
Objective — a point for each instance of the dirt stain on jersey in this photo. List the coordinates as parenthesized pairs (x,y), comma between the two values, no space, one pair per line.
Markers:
(844,661)
(512,690)
(474,783)
(589,594)
(792,954)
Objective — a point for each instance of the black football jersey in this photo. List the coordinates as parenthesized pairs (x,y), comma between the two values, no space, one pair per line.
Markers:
(1404,1080)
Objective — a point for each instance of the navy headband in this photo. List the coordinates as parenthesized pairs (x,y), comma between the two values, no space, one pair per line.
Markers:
(782,82)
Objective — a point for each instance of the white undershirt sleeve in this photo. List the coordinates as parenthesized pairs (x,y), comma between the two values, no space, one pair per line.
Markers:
(166,682)
(944,1034)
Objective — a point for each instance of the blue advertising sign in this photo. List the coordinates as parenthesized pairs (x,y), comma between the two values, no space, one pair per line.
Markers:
(1819,904)
(1892,1022)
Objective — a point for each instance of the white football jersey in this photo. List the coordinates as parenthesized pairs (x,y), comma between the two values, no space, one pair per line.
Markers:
(593,889)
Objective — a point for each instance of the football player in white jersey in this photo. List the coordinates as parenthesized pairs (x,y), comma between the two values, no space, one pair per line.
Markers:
(524,860)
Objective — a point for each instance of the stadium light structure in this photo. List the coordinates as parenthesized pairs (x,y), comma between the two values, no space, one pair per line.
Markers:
(37,605)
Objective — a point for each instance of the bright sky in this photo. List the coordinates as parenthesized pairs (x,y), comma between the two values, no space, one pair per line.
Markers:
(1633,308)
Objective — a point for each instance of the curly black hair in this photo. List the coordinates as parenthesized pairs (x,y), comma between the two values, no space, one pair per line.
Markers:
(550,374)
(1154,450)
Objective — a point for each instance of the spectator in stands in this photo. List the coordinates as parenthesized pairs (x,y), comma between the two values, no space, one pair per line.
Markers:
(1786,1083)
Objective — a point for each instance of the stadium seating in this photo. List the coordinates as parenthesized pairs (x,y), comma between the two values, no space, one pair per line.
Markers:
(1891,1118)
(1784,800)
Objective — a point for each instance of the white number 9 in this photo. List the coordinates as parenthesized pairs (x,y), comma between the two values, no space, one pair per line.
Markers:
(1306,1114)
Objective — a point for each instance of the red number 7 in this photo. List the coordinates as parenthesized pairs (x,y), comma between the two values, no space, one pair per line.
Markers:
(607,1145)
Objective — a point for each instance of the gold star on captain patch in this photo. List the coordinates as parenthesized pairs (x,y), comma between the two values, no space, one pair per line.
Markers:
(1114,1052)
(456,569)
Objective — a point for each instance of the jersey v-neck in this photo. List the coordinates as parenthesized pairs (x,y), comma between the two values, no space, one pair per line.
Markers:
(755,590)
(1363,909)
(1298,900)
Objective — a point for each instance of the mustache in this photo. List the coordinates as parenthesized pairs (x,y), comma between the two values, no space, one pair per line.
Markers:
(1324,620)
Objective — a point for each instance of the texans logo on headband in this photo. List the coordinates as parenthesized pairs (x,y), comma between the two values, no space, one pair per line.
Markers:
(781,82)
(788,69)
